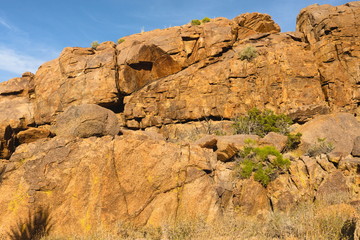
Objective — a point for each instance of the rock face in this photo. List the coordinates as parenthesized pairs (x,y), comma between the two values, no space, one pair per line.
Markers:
(85,121)
(79,76)
(192,72)
(333,35)
(226,88)
(155,184)
(16,110)
(175,92)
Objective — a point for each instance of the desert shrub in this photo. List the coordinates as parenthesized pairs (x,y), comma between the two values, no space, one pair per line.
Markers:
(248,53)
(262,175)
(180,231)
(293,141)
(205,20)
(265,162)
(304,222)
(120,40)
(94,44)
(204,126)
(320,147)
(195,22)
(261,123)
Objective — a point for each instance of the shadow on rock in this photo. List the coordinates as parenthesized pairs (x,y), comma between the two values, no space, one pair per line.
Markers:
(37,225)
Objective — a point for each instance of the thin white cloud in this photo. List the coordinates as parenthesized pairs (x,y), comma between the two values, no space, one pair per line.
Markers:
(18,63)
(5,24)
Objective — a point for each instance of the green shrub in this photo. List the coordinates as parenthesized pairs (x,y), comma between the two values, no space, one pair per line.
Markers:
(248,53)
(263,175)
(120,40)
(265,162)
(205,20)
(195,22)
(293,141)
(261,123)
(94,44)
(321,147)
(247,167)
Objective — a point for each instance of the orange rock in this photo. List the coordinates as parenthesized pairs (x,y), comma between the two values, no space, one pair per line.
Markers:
(78,76)
(333,35)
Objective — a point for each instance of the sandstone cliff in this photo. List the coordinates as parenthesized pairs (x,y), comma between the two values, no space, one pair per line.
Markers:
(108,134)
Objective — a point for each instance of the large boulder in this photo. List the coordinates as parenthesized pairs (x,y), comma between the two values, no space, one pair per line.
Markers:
(252,23)
(338,129)
(85,121)
(78,76)
(333,189)
(250,198)
(93,182)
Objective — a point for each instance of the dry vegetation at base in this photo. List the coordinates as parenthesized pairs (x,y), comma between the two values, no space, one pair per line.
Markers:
(308,221)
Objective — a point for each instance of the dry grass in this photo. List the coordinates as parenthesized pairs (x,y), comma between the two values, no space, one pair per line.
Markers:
(308,221)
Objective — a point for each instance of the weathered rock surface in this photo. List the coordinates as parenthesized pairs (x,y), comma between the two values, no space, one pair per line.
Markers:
(250,197)
(226,88)
(356,148)
(339,129)
(16,110)
(78,76)
(102,75)
(84,184)
(85,121)
(334,188)
(333,35)
(274,139)
(228,146)
(171,87)
(32,135)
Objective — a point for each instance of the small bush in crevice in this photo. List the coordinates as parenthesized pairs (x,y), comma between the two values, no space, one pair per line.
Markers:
(94,45)
(265,162)
(120,40)
(248,53)
(321,147)
(293,141)
(35,227)
(195,22)
(205,20)
(261,123)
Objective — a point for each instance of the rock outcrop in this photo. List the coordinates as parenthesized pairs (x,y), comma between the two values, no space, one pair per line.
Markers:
(78,76)
(85,121)
(105,180)
(141,132)
(16,109)
(333,35)
(340,130)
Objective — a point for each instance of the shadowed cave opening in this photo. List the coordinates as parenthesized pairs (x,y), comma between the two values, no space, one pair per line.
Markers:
(142,65)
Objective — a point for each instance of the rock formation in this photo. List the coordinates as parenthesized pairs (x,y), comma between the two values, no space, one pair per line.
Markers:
(128,132)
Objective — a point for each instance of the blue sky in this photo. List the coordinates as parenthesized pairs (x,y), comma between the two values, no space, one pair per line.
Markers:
(33,32)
